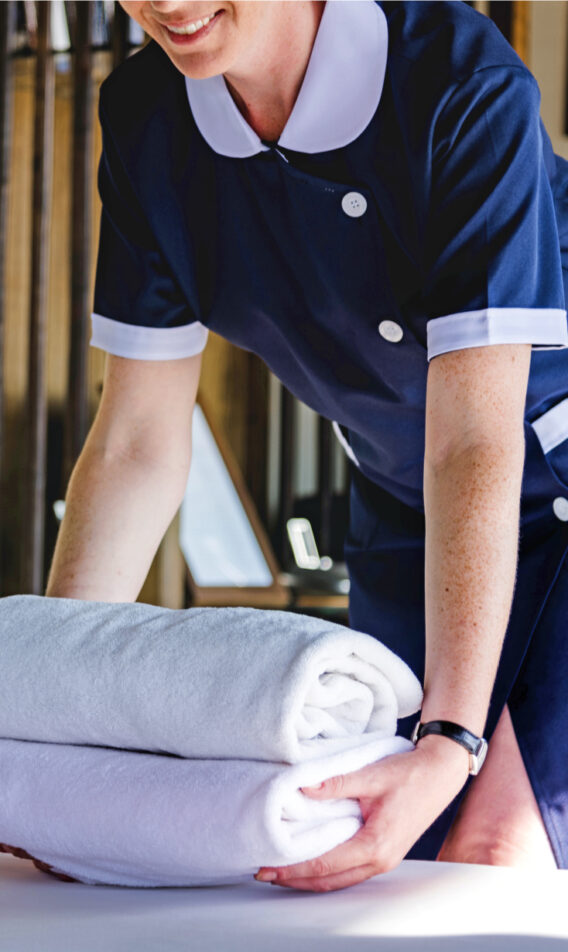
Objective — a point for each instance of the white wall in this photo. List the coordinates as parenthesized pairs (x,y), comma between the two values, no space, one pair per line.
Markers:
(547,62)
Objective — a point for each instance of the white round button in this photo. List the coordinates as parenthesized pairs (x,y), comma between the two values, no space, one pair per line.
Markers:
(560,507)
(391,331)
(354,204)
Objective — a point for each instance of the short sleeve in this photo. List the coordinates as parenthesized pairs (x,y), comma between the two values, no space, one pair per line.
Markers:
(139,310)
(493,270)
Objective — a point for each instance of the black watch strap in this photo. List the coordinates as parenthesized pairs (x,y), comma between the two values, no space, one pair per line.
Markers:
(476,746)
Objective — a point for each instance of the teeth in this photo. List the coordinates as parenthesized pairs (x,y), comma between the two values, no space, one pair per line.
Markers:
(191,27)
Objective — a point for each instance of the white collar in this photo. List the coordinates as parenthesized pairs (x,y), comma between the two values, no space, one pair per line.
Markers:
(338,97)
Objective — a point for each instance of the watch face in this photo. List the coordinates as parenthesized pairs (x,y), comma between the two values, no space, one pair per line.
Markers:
(478,759)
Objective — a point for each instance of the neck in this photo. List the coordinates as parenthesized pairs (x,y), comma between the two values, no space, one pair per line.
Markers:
(266,87)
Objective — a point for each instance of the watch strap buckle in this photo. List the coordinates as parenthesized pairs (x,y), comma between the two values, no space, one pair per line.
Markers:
(476,747)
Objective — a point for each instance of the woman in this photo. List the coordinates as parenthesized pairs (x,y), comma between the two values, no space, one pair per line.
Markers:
(362,194)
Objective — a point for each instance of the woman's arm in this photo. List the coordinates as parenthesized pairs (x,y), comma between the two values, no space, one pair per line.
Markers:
(474,458)
(473,468)
(128,481)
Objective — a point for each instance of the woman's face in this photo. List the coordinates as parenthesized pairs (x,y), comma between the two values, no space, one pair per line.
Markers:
(203,37)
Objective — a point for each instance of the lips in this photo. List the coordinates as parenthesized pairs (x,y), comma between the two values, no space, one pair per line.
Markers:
(191,31)
(187,28)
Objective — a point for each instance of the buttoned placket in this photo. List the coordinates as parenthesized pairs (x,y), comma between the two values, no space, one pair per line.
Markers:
(352,204)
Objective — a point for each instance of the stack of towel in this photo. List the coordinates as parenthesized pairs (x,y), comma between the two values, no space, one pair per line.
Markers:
(143,746)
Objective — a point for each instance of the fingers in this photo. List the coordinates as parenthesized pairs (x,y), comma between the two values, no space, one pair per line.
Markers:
(350,855)
(366,782)
(399,797)
(341,880)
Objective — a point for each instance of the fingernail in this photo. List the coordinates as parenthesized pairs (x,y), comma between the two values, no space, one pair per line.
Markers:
(316,786)
(266,876)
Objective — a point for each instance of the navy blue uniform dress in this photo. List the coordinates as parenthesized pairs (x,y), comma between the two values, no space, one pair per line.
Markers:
(412,206)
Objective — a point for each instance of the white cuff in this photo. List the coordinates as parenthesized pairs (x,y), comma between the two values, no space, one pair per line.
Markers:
(147,343)
(541,327)
(552,427)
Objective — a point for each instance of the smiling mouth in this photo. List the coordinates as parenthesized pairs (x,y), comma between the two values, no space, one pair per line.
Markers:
(189,29)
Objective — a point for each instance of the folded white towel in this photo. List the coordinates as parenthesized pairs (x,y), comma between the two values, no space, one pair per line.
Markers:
(204,682)
(133,819)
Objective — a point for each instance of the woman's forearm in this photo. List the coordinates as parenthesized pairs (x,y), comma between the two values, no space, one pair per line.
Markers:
(472,526)
(128,481)
(117,510)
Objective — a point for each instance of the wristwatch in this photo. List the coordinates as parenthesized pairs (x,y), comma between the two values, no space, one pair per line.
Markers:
(476,746)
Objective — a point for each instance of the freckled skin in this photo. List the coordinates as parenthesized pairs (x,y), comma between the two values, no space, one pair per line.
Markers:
(471,551)
(471,544)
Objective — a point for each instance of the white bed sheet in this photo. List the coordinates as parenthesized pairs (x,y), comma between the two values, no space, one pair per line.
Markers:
(419,907)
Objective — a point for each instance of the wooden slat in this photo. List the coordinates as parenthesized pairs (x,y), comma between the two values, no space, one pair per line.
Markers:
(76,422)
(71,15)
(119,36)
(170,569)
(33,536)
(256,468)
(286,489)
(325,484)
(322,601)
(520,29)
(501,12)
(7,22)
(513,19)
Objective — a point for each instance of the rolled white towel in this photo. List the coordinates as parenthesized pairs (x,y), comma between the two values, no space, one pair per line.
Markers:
(203,682)
(114,817)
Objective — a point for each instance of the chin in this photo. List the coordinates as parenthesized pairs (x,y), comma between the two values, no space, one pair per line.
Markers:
(197,70)
(199,65)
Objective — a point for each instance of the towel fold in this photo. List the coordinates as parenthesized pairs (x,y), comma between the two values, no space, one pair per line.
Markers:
(114,817)
(198,683)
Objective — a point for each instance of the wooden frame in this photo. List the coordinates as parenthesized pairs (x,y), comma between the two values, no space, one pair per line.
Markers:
(513,19)
(34,526)
(274,595)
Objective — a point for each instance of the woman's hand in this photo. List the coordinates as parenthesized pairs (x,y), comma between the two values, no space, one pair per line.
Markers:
(399,796)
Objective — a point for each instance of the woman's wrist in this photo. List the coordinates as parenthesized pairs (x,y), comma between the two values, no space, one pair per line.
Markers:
(447,754)
(461,705)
